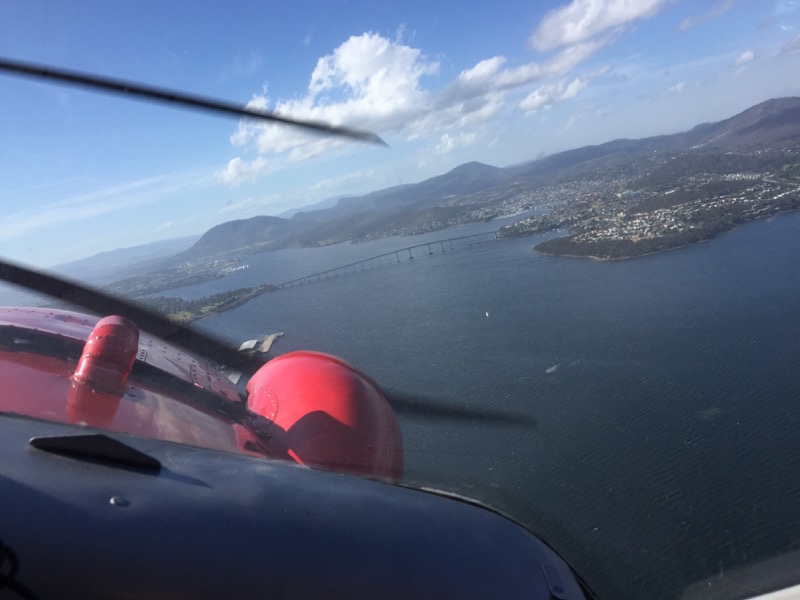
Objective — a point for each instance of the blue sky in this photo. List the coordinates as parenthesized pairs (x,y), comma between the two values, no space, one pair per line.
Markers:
(443,83)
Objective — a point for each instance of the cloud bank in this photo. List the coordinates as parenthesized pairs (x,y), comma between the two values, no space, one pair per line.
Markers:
(581,20)
(382,84)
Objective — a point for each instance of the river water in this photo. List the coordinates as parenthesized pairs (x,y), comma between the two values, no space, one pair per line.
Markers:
(665,390)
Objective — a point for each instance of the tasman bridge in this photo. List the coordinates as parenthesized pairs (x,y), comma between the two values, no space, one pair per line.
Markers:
(395,256)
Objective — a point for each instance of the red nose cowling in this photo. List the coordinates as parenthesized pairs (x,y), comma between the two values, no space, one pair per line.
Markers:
(334,416)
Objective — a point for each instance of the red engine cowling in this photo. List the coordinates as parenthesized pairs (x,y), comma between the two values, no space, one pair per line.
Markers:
(333,415)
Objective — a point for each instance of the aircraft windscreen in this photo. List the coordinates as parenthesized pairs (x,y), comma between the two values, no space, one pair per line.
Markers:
(574,272)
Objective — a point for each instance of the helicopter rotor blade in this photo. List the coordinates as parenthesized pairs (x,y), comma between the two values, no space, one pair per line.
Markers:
(122,87)
(414,405)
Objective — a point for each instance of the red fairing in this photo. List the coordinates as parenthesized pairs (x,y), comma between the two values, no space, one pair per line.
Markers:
(316,409)
(107,358)
(46,384)
(103,370)
(334,416)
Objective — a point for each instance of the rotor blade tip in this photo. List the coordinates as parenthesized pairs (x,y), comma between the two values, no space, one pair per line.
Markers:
(376,139)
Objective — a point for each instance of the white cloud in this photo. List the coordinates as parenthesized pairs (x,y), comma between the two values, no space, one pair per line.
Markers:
(375,83)
(791,47)
(489,74)
(244,64)
(570,124)
(715,11)
(479,94)
(368,80)
(485,79)
(165,226)
(238,171)
(250,206)
(247,64)
(569,58)
(676,88)
(448,142)
(745,57)
(374,68)
(483,72)
(93,204)
(544,96)
(347,181)
(552,93)
(398,35)
(581,20)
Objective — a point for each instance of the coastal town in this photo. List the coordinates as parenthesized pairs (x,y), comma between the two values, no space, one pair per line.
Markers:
(639,212)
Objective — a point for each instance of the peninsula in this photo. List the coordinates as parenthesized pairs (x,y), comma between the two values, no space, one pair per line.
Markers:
(628,218)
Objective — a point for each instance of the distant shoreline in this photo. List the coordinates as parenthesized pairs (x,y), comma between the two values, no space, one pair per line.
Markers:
(618,258)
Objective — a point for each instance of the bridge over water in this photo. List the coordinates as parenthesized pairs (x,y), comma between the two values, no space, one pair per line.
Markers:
(395,256)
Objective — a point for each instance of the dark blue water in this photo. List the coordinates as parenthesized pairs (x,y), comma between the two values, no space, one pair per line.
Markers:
(666,390)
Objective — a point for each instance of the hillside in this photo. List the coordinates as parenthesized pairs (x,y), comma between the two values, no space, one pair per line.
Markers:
(242,233)
(475,191)
(105,266)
